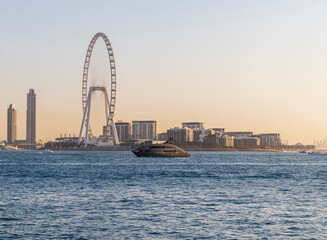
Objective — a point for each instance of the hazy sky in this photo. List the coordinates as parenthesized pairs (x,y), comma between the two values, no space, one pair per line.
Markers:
(242,65)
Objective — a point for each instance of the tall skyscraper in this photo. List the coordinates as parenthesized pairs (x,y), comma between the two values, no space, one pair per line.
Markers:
(12,124)
(144,129)
(31,117)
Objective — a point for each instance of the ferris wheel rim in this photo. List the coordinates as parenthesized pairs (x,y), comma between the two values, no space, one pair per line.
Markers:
(112,103)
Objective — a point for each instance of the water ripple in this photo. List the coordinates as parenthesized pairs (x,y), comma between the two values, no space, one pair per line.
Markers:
(114,195)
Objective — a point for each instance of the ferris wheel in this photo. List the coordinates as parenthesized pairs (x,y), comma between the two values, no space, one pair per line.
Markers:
(109,135)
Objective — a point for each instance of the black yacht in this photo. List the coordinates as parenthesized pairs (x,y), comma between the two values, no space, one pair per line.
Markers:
(167,149)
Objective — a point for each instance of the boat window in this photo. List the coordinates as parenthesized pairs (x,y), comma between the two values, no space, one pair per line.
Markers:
(157,147)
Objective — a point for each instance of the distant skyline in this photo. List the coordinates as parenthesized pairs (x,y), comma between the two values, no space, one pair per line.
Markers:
(241,65)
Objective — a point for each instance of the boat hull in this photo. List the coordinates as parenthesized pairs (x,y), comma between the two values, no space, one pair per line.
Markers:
(160,150)
(158,154)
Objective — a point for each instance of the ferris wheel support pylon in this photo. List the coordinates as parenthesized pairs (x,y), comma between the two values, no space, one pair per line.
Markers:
(110,121)
(86,117)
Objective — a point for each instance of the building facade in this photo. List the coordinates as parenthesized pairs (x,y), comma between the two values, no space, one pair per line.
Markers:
(198,130)
(239,134)
(229,141)
(144,129)
(220,131)
(197,135)
(124,131)
(224,141)
(269,139)
(218,140)
(31,117)
(162,136)
(11,124)
(193,125)
(246,142)
(181,135)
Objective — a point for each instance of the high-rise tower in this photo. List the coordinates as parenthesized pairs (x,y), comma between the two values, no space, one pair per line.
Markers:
(31,117)
(12,124)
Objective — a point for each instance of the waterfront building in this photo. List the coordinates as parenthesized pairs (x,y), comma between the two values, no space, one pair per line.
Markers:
(162,136)
(246,142)
(124,130)
(198,135)
(11,124)
(144,129)
(229,141)
(193,125)
(104,130)
(218,140)
(239,134)
(198,130)
(224,140)
(320,144)
(31,117)
(181,135)
(269,139)
(210,140)
(220,131)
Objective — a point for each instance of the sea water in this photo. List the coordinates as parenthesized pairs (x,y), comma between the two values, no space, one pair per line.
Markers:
(115,195)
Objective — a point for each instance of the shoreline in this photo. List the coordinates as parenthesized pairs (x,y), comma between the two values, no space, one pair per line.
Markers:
(125,149)
(192,149)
